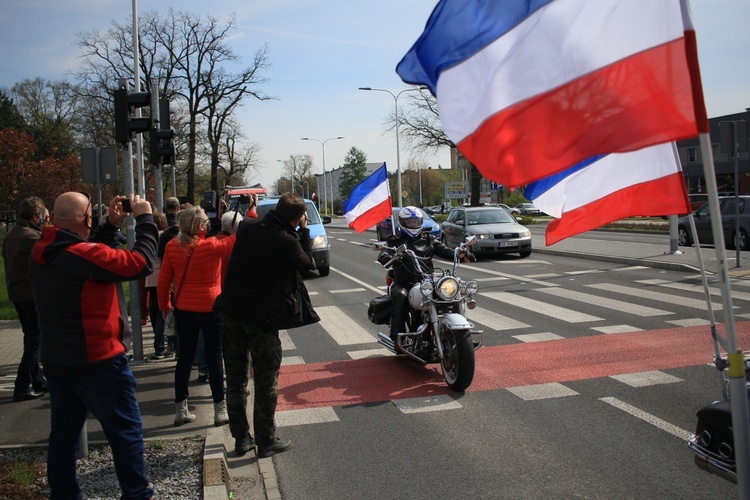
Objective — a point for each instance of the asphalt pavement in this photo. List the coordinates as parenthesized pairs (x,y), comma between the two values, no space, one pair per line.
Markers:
(26,423)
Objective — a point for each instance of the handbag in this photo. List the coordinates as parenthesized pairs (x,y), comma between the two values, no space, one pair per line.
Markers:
(170,328)
(294,310)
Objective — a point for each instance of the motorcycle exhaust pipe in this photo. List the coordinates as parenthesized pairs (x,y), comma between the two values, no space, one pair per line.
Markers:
(385,341)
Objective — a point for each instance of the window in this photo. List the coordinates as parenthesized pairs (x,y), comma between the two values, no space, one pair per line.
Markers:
(692,154)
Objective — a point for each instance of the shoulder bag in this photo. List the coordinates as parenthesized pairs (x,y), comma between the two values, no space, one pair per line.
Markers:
(170,329)
(294,310)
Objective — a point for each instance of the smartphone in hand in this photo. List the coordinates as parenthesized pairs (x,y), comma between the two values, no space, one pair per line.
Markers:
(126,206)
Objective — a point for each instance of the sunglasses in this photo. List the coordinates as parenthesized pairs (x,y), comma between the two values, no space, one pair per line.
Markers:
(87,213)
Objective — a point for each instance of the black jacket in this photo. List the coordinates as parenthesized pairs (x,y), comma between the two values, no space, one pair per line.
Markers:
(79,299)
(425,246)
(263,267)
(17,247)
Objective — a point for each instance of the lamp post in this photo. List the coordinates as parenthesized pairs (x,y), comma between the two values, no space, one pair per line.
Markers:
(305,189)
(323,144)
(398,149)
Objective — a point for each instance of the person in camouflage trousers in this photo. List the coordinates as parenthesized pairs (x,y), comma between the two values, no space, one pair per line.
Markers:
(267,256)
(264,349)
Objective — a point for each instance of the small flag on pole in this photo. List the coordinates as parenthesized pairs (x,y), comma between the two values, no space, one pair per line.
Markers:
(369,201)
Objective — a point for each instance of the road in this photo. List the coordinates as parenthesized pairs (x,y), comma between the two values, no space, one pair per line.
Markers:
(587,387)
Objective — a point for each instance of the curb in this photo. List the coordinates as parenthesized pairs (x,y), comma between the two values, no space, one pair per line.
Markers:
(219,467)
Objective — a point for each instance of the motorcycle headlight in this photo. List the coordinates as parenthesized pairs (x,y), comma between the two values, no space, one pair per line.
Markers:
(447,288)
(426,288)
(472,287)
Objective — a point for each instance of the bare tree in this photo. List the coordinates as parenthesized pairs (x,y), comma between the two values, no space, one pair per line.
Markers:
(419,125)
(188,55)
(298,168)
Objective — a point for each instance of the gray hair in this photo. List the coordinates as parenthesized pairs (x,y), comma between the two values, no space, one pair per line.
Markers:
(229,223)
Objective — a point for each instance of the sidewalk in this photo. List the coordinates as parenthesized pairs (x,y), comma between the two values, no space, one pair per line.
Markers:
(26,423)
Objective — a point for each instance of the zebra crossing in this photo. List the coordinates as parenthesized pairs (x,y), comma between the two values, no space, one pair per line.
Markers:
(658,300)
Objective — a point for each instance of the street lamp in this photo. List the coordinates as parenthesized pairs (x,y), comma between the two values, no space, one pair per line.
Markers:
(323,144)
(398,150)
(306,190)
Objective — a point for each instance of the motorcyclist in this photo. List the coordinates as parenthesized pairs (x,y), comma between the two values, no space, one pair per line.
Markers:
(403,272)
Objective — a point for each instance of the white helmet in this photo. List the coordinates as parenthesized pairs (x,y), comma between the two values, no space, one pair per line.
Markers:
(410,221)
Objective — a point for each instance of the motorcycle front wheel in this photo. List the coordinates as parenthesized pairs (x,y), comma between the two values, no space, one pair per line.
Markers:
(458,358)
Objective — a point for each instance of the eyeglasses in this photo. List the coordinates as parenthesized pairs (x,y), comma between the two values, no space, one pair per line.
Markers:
(86,213)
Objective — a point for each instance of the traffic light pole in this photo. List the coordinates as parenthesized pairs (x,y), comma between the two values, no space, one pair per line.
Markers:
(135,292)
(158,186)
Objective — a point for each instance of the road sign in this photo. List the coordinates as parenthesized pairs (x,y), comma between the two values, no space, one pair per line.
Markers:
(455,190)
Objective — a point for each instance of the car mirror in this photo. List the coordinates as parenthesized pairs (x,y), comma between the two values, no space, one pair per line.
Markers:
(326,219)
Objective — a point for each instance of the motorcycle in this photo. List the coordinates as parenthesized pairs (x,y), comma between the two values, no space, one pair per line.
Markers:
(713,442)
(438,328)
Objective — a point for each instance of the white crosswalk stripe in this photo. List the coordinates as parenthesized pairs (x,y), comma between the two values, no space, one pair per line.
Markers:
(343,329)
(494,320)
(656,296)
(606,303)
(540,307)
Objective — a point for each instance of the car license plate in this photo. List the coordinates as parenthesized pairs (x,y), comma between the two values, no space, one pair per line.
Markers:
(508,244)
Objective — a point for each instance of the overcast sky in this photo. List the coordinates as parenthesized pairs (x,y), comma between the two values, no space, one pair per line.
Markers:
(321,52)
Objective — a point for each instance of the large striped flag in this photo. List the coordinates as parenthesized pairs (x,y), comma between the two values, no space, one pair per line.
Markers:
(610,187)
(527,88)
(369,201)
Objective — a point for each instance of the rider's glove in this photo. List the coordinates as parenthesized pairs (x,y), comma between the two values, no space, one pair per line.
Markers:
(468,257)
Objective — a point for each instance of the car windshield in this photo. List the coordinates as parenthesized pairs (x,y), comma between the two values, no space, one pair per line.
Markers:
(489,217)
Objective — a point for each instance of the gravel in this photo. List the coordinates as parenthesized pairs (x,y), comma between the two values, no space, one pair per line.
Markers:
(175,468)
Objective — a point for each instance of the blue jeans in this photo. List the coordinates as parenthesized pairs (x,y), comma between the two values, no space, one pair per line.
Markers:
(189,324)
(109,394)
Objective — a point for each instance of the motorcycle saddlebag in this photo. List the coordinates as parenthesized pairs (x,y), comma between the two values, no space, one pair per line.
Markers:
(380,310)
(714,440)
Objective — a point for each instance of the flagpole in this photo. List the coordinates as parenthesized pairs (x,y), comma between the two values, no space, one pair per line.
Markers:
(737,377)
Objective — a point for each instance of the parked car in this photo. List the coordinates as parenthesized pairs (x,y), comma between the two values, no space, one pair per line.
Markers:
(496,230)
(321,247)
(510,210)
(527,209)
(384,229)
(702,218)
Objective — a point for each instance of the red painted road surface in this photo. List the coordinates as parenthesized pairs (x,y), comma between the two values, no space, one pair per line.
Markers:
(369,380)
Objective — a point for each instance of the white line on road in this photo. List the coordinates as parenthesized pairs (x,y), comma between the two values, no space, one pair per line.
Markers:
(647,417)
(359,282)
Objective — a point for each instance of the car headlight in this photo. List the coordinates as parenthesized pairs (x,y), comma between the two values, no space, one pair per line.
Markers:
(320,240)
(447,288)
(483,236)
(525,234)
(426,288)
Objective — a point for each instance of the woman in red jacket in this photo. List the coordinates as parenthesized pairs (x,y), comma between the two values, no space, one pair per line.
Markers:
(191,269)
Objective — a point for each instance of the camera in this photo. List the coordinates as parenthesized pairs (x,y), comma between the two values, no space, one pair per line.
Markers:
(126,206)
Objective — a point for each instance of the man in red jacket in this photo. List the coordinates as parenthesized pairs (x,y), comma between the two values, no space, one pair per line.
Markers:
(84,332)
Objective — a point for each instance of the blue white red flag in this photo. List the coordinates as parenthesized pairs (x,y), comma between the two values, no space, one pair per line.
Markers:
(527,88)
(369,201)
(610,187)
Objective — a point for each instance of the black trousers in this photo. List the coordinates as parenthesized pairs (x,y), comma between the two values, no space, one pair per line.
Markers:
(30,375)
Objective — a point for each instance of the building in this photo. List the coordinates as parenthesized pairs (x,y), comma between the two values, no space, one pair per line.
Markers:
(724,161)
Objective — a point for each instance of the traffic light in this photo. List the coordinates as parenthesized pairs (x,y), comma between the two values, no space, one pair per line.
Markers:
(161,146)
(126,126)
(160,140)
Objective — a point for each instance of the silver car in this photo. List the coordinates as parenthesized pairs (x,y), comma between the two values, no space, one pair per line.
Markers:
(496,230)
(702,218)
